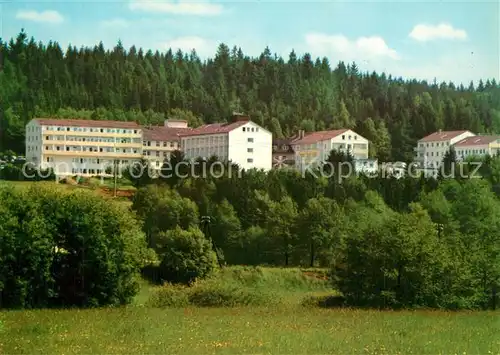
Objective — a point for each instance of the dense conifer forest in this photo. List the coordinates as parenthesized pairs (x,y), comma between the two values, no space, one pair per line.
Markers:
(282,94)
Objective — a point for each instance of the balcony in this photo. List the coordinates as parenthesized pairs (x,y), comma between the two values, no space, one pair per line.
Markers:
(92,134)
(91,144)
(63,153)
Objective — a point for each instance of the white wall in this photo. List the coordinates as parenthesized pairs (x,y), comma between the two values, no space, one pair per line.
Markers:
(33,143)
(248,154)
(205,146)
(434,151)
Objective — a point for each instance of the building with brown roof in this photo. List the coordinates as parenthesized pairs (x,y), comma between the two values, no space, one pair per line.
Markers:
(283,153)
(476,146)
(315,147)
(160,141)
(241,141)
(83,147)
(432,148)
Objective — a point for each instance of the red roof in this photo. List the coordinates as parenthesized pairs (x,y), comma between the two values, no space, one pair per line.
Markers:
(442,136)
(476,140)
(315,137)
(86,123)
(214,128)
(163,134)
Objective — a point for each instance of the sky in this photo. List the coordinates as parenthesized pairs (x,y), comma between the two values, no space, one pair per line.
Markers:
(448,41)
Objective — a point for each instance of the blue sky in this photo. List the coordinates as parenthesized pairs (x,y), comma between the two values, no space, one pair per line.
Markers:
(451,41)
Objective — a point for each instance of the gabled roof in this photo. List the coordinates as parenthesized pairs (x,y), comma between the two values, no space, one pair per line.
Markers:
(163,134)
(214,128)
(86,123)
(476,140)
(442,136)
(319,136)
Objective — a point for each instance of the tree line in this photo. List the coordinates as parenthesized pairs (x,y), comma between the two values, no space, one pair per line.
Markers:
(389,242)
(282,94)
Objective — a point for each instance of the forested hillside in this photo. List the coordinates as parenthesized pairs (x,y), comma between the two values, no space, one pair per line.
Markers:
(282,94)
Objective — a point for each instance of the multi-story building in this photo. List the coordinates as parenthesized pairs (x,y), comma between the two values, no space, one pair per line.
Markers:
(314,148)
(477,146)
(242,142)
(432,148)
(283,153)
(159,142)
(82,147)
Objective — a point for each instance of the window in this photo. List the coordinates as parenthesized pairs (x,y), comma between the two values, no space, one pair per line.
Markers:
(253,129)
(250,140)
(256,130)
(243,129)
(67,149)
(149,144)
(250,150)
(164,144)
(349,137)
(157,154)
(343,136)
(135,131)
(249,160)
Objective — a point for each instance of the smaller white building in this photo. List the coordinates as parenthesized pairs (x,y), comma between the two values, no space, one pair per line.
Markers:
(432,148)
(477,146)
(315,147)
(242,142)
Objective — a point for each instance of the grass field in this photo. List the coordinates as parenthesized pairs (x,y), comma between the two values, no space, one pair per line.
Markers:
(284,327)
(140,330)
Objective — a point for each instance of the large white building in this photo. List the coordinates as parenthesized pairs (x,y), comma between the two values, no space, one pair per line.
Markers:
(432,148)
(315,147)
(82,147)
(242,142)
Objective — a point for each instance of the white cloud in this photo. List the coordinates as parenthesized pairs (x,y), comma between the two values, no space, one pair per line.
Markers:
(115,23)
(341,47)
(424,33)
(203,47)
(180,7)
(48,16)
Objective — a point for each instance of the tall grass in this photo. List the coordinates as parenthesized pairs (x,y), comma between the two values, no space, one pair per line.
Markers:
(244,286)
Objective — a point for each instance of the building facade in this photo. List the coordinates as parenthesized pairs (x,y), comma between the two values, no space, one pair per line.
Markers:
(283,153)
(159,142)
(242,142)
(477,146)
(432,148)
(82,147)
(314,148)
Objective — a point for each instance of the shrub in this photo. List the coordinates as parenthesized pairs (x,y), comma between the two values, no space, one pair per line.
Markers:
(170,295)
(185,255)
(67,248)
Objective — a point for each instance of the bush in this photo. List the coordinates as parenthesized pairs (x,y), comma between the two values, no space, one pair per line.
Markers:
(211,293)
(170,295)
(67,249)
(186,255)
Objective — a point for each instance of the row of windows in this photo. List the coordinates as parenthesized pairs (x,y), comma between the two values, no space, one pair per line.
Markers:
(157,153)
(89,149)
(471,151)
(437,144)
(159,144)
(250,129)
(93,139)
(87,129)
